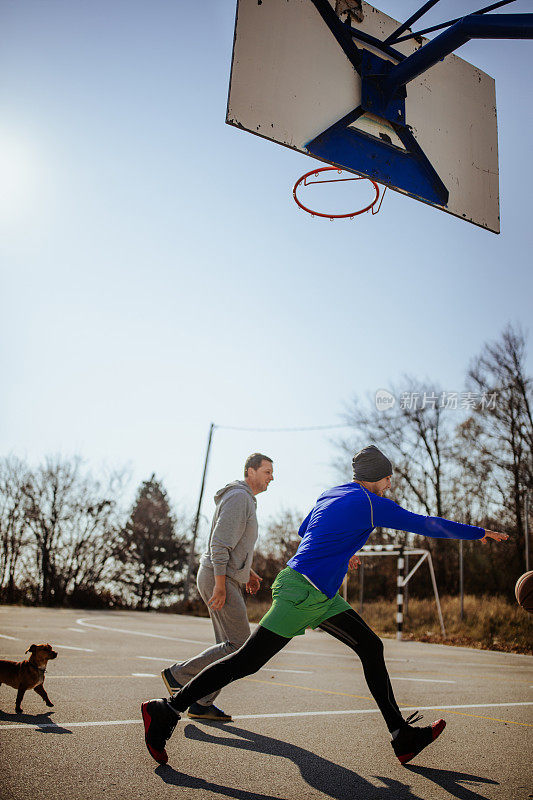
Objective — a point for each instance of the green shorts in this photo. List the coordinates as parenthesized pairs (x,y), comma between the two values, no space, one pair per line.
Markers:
(297,605)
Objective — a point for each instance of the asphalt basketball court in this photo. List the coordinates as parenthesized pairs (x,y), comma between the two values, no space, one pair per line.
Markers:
(305,726)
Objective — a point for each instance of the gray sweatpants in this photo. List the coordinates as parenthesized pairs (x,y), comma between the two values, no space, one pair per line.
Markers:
(230,625)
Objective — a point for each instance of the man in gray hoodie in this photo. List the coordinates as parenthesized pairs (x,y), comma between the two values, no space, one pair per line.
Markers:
(225,570)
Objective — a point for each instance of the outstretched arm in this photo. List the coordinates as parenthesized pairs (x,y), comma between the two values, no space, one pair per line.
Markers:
(388,514)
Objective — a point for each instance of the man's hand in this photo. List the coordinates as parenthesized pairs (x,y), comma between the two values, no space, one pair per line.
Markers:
(354,562)
(254,584)
(218,598)
(499,537)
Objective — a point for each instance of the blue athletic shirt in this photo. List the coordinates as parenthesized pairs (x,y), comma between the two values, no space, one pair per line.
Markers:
(341,522)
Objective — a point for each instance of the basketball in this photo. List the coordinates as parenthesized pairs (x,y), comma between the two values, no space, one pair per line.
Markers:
(524,591)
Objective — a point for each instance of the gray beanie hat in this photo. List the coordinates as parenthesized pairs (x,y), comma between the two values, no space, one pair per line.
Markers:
(370,465)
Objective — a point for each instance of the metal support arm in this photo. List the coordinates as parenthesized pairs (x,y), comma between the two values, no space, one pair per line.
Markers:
(473,26)
(407,24)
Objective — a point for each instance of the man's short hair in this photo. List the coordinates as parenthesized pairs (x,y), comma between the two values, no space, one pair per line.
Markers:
(254,461)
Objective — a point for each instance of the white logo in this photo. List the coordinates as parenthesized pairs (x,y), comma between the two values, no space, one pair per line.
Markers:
(384,400)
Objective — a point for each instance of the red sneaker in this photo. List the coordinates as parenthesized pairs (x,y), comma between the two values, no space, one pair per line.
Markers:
(159,723)
(411,741)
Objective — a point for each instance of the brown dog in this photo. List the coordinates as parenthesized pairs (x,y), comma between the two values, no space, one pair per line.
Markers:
(28,674)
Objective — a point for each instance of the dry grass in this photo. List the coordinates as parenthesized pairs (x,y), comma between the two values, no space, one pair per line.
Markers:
(489,623)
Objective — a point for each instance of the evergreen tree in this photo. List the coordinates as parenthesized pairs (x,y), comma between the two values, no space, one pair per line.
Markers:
(150,551)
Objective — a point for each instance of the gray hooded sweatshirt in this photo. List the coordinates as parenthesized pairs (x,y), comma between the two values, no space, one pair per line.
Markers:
(230,549)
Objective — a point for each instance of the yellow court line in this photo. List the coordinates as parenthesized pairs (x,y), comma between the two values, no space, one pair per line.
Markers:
(458,676)
(308,688)
(481,716)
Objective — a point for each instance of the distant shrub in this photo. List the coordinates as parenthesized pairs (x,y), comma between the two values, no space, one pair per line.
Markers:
(89,597)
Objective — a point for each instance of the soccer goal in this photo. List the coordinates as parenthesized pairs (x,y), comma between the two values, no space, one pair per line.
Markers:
(402,579)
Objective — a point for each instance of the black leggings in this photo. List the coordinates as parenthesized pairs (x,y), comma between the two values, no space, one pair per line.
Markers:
(263,644)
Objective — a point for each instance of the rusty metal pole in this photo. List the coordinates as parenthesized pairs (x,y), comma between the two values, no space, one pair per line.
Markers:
(187,585)
(526,529)
(461,579)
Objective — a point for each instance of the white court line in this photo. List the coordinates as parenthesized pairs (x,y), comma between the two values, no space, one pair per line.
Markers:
(263,669)
(37,726)
(156,658)
(77,630)
(70,647)
(420,680)
(13,638)
(81,621)
(458,664)
(144,675)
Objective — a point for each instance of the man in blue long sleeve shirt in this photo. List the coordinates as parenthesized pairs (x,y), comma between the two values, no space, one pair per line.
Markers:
(305,594)
(343,519)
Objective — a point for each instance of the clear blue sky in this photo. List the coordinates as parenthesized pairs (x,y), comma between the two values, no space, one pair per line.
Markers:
(156,275)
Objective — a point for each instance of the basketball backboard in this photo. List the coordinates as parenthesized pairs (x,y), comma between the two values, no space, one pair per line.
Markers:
(292,82)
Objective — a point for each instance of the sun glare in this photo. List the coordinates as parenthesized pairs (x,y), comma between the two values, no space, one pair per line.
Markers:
(18,179)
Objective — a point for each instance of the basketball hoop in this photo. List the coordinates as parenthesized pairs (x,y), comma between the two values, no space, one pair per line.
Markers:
(315,172)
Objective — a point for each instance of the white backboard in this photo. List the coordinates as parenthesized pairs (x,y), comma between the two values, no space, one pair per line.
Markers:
(290,81)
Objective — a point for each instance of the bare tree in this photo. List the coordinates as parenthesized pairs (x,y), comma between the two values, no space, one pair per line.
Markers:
(505,424)
(73,524)
(13,538)
(474,485)
(88,547)
(415,434)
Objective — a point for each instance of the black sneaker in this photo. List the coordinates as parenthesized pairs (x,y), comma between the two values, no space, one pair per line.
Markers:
(159,723)
(411,741)
(170,681)
(196,711)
